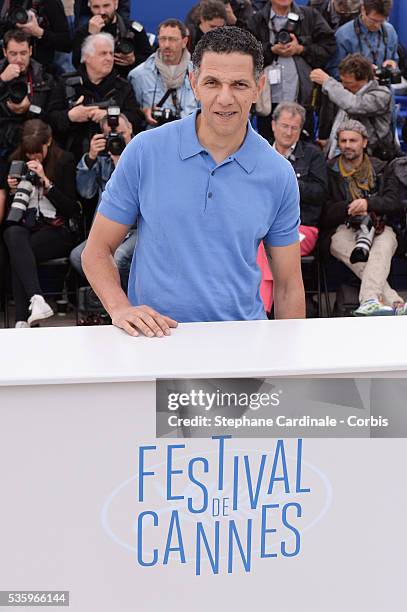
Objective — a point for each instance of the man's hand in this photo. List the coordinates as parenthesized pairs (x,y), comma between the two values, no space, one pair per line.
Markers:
(97,145)
(11,72)
(21,108)
(96,24)
(290,49)
(124,59)
(231,18)
(318,76)
(12,183)
(80,113)
(31,27)
(135,319)
(96,114)
(147,113)
(357,207)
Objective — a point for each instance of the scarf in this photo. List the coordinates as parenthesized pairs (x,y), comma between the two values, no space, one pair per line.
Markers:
(173,80)
(360,180)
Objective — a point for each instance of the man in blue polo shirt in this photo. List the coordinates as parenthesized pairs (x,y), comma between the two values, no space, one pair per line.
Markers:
(205,190)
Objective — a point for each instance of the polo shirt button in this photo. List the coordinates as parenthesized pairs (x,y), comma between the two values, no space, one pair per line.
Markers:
(213,172)
(210,194)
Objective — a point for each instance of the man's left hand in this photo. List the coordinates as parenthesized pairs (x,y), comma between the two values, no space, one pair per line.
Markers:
(124,59)
(19,108)
(291,48)
(357,207)
(31,27)
(318,76)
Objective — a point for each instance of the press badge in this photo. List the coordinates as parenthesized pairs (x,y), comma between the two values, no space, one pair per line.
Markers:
(274,75)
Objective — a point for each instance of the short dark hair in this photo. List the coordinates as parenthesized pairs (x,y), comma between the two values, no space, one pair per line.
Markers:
(358,65)
(174,23)
(383,7)
(17,35)
(212,10)
(229,39)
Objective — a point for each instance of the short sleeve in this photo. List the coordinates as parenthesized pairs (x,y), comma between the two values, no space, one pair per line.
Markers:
(284,230)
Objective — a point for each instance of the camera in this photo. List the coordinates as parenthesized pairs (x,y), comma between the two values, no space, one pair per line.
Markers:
(365,233)
(27,181)
(71,80)
(124,45)
(386,76)
(164,115)
(16,91)
(114,142)
(291,26)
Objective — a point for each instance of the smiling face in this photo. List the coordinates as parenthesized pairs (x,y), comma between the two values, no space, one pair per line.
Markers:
(226,89)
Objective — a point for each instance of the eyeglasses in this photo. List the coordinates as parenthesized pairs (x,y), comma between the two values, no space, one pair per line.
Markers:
(170,39)
(377,22)
(286,127)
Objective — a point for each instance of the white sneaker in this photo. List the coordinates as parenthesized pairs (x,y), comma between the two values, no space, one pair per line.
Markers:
(21,324)
(39,309)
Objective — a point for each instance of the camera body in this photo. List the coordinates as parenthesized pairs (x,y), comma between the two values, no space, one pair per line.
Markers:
(386,76)
(124,45)
(16,91)
(365,233)
(291,26)
(27,181)
(164,115)
(114,142)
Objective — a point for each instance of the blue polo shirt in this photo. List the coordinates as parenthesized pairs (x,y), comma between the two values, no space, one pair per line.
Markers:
(200,223)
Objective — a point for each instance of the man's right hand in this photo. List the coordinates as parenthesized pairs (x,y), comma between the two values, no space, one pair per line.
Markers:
(97,145)
(96,24)
(135,319)
(80,113)
(147,113)
(11,72)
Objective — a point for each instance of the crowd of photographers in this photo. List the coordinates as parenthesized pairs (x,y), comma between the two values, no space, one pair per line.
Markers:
(78,79)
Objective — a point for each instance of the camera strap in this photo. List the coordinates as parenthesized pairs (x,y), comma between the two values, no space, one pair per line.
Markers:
(381,35)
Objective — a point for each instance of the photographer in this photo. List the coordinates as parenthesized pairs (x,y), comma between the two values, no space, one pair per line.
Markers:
(359,97)
(238,13)
(336,12)
(24,89)
(44,21)
(370,34)
(162,82)
(76,111)
(93,171)
(357,219)
(132,46)
(295,39)
(43,198)
(82,12)
(212,14)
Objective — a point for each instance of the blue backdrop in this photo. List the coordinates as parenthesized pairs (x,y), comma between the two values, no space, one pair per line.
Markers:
(151,13)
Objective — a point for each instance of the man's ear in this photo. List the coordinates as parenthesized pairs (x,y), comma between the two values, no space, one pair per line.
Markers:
(193,81)
(260,86)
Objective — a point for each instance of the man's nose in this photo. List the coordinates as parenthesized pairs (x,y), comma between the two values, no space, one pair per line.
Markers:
(225,95)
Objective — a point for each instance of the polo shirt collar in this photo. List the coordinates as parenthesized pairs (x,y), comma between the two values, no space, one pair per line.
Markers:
(189,144)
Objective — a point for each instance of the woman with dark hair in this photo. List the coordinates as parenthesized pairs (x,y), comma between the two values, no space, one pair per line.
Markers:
(43,199)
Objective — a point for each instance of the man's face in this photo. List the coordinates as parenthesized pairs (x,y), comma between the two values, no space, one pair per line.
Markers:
(212,24)
(351,144)
(287,129)
(105,8)
(351,83)
(226,89)
(101,62)
(123,129)
(171,44)
(281,5)
(342,7)
(373,20)
(18,53)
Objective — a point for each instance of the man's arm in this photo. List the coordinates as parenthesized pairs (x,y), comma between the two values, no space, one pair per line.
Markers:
(102,273)
(289,298)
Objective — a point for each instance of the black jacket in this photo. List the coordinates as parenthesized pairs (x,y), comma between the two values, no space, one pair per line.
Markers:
(75,137)
(242,9)
(385,201)
(310,167)
(10,123)
(334,21)
(81,10)
(316,36)
(56,35)
(121,29)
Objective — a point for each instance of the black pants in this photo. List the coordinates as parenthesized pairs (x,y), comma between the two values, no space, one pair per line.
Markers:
(27,248)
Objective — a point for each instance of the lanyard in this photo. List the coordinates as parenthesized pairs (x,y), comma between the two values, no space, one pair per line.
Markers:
(381,35)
